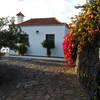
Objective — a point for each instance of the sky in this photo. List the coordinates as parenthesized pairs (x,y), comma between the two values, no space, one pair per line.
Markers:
(61,9)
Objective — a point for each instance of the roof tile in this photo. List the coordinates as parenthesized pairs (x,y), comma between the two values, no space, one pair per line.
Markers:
(40,21)
(20,14)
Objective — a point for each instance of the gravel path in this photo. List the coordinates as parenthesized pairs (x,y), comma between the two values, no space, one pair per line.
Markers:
(27,79)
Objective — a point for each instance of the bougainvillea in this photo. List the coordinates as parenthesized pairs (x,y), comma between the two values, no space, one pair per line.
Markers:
(86,27)
(67,49)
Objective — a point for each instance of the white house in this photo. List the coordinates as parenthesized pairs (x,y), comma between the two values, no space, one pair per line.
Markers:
(43,28)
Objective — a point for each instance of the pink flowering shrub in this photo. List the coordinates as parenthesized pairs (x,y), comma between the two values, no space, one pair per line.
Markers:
(67,49)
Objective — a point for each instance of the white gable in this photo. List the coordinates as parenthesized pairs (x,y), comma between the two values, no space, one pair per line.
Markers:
(35,39)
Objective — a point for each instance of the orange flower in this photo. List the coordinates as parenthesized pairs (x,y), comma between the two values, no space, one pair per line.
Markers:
(96,30)
(82,43)
(91,31)
(70,24)
(75,26)
(89,39)
(73,45)
(88,28)
(80,50)
(92,16)
(72,31)
(71,17)
(66,37)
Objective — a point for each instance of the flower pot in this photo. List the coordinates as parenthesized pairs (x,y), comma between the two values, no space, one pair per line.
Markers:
(22,54)
(48,55)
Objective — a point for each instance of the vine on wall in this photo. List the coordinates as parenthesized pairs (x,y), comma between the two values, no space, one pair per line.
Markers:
(85,31)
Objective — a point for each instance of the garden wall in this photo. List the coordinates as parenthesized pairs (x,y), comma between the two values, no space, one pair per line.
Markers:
(87,63)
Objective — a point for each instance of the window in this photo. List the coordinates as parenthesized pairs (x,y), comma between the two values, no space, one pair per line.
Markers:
(50,37)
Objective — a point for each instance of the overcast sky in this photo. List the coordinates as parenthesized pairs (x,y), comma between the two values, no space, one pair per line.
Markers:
(61,9)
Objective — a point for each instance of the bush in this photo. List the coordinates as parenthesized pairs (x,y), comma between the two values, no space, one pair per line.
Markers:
(21,49)
(86,28)
(2,54)
(49,44)
(67,49)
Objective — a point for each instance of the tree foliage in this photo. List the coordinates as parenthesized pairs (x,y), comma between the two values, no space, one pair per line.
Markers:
(11,35)
(86,25)
(85,28)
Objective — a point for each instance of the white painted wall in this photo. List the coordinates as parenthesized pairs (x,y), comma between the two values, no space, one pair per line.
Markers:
(35,39)
(20,19)
(67,30)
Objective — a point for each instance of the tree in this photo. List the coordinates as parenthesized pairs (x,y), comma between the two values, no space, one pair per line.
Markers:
(87,25)
(3,22)
(85,30)
(11,35)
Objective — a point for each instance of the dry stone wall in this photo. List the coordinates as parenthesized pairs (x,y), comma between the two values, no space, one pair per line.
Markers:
(87,63)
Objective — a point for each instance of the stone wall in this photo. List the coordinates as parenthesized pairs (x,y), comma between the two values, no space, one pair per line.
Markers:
(87,63)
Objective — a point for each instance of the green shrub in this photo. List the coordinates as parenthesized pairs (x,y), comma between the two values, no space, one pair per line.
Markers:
(21,49)
(49,44)
(2,54)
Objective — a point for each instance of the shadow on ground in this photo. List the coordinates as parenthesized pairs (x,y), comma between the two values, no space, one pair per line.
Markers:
(37,82)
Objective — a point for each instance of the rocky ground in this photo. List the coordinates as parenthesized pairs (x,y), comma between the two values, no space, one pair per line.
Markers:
(27,79)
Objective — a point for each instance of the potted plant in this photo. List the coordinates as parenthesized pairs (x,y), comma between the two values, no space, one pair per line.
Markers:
(48,44)
(21,49)
(1,54)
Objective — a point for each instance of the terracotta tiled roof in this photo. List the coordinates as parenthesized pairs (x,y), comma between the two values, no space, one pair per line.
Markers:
(41,21)
(20,14)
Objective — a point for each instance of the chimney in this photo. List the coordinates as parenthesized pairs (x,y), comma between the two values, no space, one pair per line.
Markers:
(20,17)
